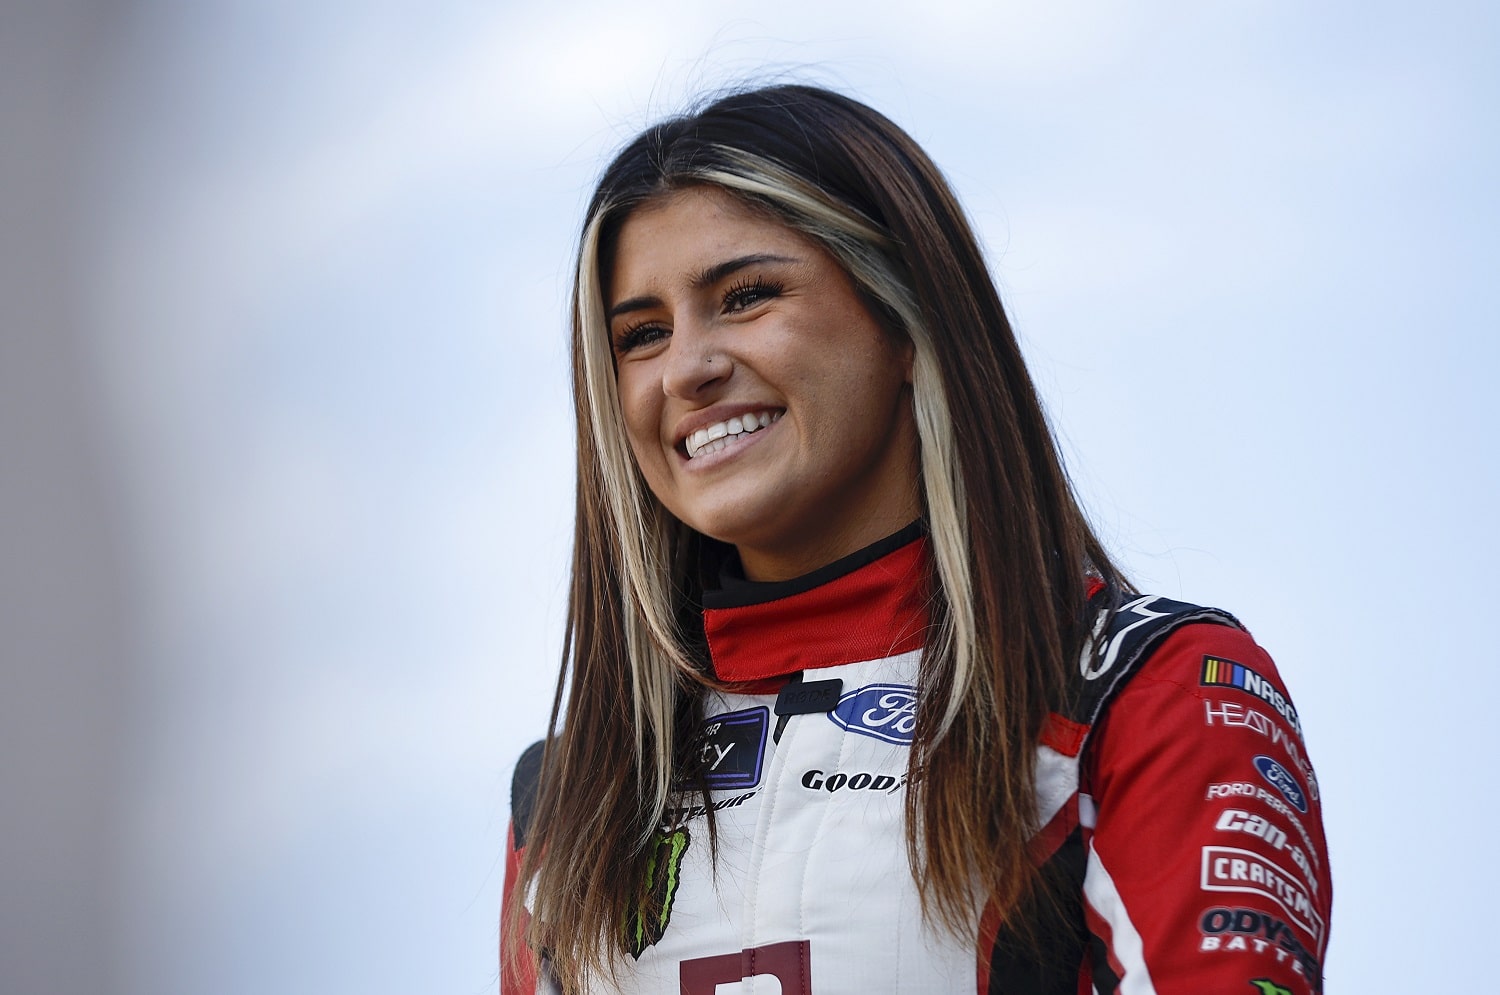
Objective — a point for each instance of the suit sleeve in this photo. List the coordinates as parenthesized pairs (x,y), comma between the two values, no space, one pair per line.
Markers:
(518,965)
(1207,869)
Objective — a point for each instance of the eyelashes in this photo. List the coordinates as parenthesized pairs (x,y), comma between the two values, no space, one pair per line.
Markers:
(738,297)
(637,334)
(747,293)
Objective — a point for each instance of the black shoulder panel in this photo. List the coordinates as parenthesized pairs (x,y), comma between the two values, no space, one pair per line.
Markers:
(1123,639)
(523,785)
(1044,960)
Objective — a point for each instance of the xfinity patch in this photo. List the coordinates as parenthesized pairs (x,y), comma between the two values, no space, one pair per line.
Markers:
(734,749)
(887,712)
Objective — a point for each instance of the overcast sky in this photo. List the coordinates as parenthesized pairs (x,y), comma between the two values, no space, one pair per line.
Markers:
(1250,249)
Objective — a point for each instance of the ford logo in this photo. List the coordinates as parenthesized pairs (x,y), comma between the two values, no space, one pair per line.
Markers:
(1282,780)
(884,711)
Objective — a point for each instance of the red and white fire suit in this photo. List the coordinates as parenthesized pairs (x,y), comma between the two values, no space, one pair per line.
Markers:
(1174,790)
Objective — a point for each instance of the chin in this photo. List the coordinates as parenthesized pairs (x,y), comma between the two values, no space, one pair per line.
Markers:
(735,530)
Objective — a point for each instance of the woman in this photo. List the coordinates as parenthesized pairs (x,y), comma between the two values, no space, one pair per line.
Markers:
(853,695)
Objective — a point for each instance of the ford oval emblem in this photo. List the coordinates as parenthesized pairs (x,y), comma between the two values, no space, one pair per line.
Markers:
(1282,780)
(884,711)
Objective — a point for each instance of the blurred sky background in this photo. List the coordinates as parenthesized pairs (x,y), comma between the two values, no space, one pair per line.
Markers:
(287,469)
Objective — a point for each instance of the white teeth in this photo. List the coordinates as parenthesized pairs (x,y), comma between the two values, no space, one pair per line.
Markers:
(720,434)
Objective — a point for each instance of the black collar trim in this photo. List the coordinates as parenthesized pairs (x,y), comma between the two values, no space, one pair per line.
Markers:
(734,591)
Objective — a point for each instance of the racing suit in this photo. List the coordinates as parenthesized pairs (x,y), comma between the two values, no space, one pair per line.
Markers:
(1174,792)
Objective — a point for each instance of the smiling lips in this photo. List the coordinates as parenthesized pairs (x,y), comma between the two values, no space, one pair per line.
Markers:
(723,434)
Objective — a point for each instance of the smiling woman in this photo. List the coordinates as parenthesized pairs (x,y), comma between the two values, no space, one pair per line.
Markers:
(766,405)
(853,695)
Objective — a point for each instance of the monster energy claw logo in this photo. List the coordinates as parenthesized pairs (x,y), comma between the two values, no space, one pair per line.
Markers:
(1265,986)
(649,921)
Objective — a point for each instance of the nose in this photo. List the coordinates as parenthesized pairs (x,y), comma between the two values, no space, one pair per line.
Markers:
(694,363)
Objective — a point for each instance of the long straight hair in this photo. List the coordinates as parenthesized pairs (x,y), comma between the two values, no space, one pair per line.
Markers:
(1011,550)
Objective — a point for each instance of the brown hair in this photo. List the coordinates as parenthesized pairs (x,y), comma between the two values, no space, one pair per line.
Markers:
(1011,548)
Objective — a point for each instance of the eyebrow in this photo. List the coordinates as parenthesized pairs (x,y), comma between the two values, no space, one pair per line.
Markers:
(706,278)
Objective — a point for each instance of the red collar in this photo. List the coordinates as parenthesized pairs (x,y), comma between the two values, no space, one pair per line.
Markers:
(864,607)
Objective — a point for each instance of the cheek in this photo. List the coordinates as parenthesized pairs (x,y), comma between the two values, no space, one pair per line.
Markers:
(641,415)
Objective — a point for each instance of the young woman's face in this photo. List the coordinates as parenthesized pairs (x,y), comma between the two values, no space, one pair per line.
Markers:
(765,404)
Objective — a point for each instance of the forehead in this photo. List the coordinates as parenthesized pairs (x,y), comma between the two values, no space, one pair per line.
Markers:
(682,231)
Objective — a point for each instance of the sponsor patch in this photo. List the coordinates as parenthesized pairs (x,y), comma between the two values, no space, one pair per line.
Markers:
(1227,868)
(1234,820)
(1268,987)
(733,749)
(817,780)
(806,697)
(1283,781)
(1219,672)
(1256,792)
(788,962)
(687,813)
(1231,789)
(887,712)
(1228,713)
(1227,930)
(648,923)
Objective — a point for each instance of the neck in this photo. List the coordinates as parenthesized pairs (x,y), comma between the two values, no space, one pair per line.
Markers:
(865,606)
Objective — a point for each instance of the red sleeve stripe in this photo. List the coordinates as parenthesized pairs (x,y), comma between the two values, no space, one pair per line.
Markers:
(518,973)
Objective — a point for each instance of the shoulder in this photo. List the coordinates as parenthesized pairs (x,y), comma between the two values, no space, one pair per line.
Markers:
(523,788)
(1214,659)
(1208,687)
(1207,838)
(1167,676)
(1222,667)
(1130,637)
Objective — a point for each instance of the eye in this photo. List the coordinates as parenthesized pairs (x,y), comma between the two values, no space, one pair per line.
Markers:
(747,293)
(639,334)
